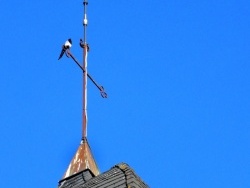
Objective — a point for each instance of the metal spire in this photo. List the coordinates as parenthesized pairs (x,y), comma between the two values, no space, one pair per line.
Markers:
(83,159)
(85,55)
(83,43)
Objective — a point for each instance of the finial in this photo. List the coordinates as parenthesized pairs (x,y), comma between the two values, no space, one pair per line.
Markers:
(66,50)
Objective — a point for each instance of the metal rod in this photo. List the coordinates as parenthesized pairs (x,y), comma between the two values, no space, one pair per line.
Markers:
(85,21)
(101,89)
(85,51)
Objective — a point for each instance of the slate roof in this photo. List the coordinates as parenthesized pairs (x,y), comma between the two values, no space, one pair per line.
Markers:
(76,180)
(119,176)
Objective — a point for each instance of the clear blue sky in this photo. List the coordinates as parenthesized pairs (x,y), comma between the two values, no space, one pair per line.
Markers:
(177,75)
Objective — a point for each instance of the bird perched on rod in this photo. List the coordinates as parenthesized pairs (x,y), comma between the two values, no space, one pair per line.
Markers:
(66,46)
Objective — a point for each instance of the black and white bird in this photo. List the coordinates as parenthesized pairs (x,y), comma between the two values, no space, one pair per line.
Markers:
(66,46)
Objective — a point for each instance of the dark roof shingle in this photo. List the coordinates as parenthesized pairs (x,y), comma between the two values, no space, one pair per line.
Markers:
(119,176)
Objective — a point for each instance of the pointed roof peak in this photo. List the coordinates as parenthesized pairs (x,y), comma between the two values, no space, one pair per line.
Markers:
(82,160)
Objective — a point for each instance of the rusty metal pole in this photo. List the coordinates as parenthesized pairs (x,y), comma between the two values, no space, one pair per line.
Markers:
(85,55)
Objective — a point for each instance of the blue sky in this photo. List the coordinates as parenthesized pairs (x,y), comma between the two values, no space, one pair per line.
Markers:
(177,75)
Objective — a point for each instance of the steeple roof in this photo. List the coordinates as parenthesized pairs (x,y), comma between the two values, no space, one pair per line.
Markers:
(82,160)
(82,171)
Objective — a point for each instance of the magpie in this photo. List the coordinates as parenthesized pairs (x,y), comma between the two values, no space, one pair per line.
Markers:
(66,46)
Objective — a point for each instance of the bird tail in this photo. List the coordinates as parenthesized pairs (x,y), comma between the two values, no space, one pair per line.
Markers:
(61,54)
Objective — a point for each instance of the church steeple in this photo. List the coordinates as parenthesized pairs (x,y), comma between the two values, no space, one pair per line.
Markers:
(83,158)
(82,171)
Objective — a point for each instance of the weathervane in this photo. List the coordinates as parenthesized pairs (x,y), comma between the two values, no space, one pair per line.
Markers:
(83,44)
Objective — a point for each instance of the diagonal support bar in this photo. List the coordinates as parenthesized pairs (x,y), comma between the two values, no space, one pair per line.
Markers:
(101,88)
